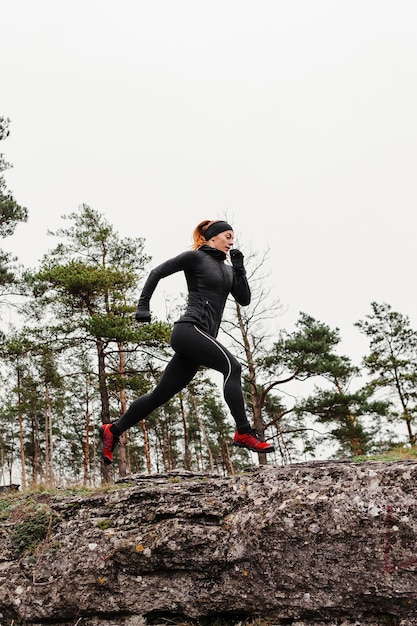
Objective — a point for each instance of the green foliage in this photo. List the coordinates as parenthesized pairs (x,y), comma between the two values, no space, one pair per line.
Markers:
(392,362)
(11,213)
(344,413)
(85,287)
(36,520)
(104,524)
(397,453)
(8,502)
(86,357)
(309,351)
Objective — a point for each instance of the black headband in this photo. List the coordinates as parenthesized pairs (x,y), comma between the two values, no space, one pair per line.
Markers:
(216,228)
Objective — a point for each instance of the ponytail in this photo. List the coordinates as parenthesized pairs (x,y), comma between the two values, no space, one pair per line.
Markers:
(198,234)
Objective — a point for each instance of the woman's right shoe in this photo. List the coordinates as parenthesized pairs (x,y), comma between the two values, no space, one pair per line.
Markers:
(252,441)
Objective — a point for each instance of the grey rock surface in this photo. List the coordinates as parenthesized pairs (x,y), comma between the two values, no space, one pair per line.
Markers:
(311,544)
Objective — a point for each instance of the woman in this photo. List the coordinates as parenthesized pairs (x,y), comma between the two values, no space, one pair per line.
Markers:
(193,337)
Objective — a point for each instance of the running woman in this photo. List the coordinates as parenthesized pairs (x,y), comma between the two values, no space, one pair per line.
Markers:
(209,280)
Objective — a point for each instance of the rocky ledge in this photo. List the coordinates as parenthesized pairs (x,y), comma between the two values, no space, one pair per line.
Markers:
(311,544)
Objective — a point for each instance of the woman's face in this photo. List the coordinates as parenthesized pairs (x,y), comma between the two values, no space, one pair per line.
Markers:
(223,241)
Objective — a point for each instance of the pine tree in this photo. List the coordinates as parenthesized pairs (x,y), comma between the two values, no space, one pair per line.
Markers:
(11,213)
(392,362)
(86,285)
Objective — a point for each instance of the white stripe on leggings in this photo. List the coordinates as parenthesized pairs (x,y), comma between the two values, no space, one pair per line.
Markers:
(226,378)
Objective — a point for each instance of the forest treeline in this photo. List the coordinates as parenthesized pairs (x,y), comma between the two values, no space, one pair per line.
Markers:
(75,358)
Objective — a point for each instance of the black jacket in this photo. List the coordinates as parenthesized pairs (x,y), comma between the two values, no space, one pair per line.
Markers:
(209,282)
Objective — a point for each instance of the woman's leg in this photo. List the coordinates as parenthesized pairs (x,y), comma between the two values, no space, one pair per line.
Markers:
(191,342)
(193,347)
(178,373)
(176,376)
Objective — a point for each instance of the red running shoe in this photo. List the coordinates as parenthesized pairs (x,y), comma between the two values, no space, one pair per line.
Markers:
(252,441)
(109,443)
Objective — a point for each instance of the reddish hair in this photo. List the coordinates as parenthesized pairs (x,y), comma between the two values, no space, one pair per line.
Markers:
(198,234)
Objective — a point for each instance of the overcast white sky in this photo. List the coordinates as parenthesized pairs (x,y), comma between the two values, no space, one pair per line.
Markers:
(297,118)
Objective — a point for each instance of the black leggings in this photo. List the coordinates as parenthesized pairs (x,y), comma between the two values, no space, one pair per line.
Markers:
(193,348)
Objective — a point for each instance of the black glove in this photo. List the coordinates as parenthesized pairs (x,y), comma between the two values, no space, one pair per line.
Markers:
(236,258)
(142,315)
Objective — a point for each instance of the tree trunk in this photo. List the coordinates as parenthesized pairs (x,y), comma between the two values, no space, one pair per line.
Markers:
(203,431)
(123,409)
(104,399)
(408,420)
(2,460)
(170,456)
(187,455)
(87,444)
(355,443)
(146,447)
(256,399)
(21,437)
(227,461)
(102,382)
(49,469)
(36,473)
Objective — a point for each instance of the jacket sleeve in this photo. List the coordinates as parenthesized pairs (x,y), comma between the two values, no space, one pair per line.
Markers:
(240,288)
(176,264)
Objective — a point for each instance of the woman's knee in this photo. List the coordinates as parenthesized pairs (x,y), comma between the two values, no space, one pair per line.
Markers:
(236,368)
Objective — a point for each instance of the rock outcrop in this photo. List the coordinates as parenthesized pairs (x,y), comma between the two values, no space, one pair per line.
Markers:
(318,543)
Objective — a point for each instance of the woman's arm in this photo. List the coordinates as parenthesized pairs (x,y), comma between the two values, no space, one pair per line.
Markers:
(240,288)
(176,264)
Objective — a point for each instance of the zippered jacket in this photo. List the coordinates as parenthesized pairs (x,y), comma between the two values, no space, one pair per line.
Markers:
(209,282)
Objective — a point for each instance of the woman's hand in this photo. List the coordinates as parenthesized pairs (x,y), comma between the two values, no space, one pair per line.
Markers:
(236,258)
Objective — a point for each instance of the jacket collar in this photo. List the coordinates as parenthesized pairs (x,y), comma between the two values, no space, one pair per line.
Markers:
(218,254)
